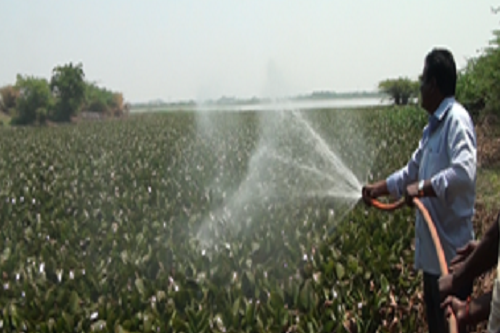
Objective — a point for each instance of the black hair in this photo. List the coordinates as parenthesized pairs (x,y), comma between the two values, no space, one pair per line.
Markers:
(441,66)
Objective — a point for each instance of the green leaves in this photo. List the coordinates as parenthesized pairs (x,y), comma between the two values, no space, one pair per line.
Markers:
(116,227)
(140,286)
(340,271)
(74,303)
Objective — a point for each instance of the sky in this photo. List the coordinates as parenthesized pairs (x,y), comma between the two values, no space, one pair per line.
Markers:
(181,50)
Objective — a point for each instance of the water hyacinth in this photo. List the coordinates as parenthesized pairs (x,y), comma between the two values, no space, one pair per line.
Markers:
(185,222)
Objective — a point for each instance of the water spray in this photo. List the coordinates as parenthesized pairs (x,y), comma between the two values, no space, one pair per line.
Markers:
(291,161)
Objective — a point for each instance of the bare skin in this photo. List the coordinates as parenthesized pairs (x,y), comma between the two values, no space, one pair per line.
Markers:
(475,259)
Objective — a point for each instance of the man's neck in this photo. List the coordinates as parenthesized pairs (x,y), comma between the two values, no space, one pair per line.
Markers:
(436,105)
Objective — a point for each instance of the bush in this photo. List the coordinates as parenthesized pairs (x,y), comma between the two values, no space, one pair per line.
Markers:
(103,101)
(34,94)
(41,115)
(8,97)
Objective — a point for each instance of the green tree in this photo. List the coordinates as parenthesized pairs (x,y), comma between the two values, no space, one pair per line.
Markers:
(471,91)
(68,87)
(401,89)
(34,100)
(478,84)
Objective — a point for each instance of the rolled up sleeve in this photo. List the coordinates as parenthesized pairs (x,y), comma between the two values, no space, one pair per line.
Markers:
(397,182)
(461,174)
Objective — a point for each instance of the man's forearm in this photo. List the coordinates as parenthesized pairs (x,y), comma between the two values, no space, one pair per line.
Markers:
(382,189)
(482,259)
(479,309)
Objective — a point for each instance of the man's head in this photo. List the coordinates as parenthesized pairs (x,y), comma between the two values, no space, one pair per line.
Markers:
(439,78)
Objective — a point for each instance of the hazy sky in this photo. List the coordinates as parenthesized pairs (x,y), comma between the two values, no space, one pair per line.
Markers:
(205,49)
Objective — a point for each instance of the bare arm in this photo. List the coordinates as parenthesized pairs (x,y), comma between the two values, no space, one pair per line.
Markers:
(482,259)
(381,188)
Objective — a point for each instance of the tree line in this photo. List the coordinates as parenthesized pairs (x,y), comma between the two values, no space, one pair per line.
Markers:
(34,100)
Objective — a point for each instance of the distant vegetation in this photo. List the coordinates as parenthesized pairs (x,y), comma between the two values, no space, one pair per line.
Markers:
(317,95)
(33,100)
(402,90)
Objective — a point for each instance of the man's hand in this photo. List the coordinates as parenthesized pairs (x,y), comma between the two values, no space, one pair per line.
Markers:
(453,305)
(369,192)
(373,191)
(462,254)
(413,192)
(446,286)
(410,193)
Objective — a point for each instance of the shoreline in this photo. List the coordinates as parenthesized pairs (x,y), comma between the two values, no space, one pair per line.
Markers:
(270,106)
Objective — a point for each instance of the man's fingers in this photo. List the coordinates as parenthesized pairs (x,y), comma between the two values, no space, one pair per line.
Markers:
(409,200)
(366,197)
(368,194)
(463,253)
(455,266)
(465,249)
(448,311)
(447,302)
(458,259)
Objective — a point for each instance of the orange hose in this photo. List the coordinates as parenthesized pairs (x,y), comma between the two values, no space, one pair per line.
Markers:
(452,321)
(388,206)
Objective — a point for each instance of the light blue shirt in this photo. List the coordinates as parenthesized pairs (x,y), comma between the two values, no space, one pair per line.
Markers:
(447,156)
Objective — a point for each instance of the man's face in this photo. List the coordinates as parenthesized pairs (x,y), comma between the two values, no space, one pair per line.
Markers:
(427,90)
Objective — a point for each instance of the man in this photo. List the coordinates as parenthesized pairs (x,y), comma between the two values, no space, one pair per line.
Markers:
(473,261)
(441,171)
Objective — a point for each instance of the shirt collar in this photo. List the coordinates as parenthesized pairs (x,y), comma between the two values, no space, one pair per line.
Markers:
(443,108)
